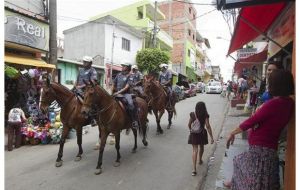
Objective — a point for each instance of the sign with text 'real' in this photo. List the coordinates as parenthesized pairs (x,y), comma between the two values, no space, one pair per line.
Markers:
(246,52)
(23,30)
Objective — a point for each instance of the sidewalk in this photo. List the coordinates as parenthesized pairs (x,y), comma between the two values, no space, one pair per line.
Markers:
(220,167)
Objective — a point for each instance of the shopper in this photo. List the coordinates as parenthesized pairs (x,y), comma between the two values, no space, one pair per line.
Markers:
(258,167)
(16,117)
(198,134)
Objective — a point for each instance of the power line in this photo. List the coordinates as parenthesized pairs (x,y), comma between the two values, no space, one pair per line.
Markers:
(193,3)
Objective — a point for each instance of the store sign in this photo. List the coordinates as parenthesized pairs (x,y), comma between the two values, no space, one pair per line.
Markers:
(246,52)
(283,31)
(26,31)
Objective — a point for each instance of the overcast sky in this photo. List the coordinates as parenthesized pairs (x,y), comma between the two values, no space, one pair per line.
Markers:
(71,13)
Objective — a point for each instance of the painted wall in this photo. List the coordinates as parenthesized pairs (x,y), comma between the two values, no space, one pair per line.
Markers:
(87,39)
(120,55)
(68,72)
(192,57)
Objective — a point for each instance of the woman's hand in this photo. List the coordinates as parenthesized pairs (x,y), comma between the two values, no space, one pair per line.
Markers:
(212,141)
(230,140)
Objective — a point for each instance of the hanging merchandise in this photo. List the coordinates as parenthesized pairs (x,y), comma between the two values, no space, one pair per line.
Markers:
(11,72)
(31,73)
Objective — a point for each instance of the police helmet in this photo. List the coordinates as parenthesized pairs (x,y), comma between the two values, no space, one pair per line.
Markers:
(87,59)
(134,67)
(125,64)
(163,65)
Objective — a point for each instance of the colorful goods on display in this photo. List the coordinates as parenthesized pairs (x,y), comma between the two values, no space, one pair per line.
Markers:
(44,132)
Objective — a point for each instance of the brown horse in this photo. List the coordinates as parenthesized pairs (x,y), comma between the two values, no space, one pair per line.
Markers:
(112,118)
(159,101)
(70,114)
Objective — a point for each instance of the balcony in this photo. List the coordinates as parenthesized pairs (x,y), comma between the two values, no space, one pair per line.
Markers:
(164,37)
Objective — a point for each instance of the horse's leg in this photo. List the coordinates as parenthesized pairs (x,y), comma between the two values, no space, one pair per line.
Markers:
(104,136)
(158,117)
(158,128)
(135,140)
(61,146)
(144,130)
(79,143)
(117,145)
(170,115)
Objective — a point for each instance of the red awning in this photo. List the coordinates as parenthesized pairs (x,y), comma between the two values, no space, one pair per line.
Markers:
(260,16)
(256,58)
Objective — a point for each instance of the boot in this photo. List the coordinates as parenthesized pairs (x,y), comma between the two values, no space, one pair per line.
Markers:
(134,119)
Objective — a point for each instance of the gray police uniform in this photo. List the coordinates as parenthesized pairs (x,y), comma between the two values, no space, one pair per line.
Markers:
(164,77)
(86,75)
(133,79)
(120,82)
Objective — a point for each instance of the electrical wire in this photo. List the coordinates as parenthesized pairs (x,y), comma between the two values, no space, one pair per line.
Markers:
(193,3)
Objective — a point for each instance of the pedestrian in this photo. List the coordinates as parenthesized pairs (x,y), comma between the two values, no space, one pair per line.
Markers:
(16,118)
(229,89)
(258,167)
(270,67)
(198,134)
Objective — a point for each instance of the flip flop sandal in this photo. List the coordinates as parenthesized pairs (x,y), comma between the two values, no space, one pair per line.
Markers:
(194,173)
(227,184)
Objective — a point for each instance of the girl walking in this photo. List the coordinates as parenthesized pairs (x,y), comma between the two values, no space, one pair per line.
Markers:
(198,134)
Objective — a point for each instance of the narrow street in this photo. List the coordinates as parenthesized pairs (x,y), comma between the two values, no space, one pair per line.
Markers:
(166,164)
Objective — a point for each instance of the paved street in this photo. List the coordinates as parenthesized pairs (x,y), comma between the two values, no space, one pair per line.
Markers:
(166,164)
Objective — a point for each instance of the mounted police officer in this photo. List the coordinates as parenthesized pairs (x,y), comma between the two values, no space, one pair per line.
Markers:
(135,81)
(121,90)
(165,79)
(87,73)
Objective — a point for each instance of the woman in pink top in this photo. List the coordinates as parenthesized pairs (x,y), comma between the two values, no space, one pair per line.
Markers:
(258,168)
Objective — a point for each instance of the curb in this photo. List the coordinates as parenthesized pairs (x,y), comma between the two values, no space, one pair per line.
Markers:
(205,171)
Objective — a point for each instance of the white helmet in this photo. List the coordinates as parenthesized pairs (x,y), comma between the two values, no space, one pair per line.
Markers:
(134,67)
(163,65)
(87,59)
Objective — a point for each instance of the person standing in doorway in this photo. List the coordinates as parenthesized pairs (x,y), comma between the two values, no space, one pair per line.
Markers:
(198,134)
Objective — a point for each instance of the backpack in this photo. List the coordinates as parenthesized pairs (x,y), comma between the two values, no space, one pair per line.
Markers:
(196,128)
(14,116)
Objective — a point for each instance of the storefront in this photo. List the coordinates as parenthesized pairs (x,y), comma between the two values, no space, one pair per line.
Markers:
(26,44)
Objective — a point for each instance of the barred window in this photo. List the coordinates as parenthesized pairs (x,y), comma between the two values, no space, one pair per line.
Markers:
(125,44)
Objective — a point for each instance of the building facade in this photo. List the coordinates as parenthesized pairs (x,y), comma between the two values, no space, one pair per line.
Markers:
(108,40)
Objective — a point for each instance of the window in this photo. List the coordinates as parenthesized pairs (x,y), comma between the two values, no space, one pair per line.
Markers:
(189,32)
(194,16)
(125,44)
(193,37)
(140,15)
(190,10)
(189,52)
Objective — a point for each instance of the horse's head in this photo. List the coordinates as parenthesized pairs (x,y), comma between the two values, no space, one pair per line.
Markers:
(148,82)
(89,97)
(47,96)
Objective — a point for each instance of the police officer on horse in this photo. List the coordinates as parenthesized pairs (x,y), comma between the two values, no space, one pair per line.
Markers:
(121,90)
(165,79)
(135,81)
(87,73)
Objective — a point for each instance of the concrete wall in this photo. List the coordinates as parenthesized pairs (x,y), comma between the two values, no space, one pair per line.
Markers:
(68,72)
(87,39)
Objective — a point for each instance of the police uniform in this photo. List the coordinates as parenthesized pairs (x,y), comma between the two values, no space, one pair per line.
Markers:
(135,78)
(164,77)
(120,82)
(85,75)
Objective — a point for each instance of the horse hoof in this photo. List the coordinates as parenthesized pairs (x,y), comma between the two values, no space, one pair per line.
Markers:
(78,158)
(117,164)
(133,151)
(98,171)
(145,143)
(161,132)
(58,164)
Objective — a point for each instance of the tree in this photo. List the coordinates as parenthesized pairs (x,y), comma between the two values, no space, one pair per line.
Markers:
(148,60)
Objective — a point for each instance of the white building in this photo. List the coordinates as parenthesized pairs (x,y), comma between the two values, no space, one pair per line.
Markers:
(95,39)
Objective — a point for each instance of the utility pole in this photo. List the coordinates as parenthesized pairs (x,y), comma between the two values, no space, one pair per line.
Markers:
(112,54)
(53,31)
(155,26)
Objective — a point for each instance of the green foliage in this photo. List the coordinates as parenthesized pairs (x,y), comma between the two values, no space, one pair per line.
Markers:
(148,60)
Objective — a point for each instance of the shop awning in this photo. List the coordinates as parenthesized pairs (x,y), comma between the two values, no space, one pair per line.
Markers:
(29,61)
(256,58)
(260,16)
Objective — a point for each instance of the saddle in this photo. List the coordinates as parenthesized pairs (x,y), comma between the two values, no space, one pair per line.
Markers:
(123,102)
